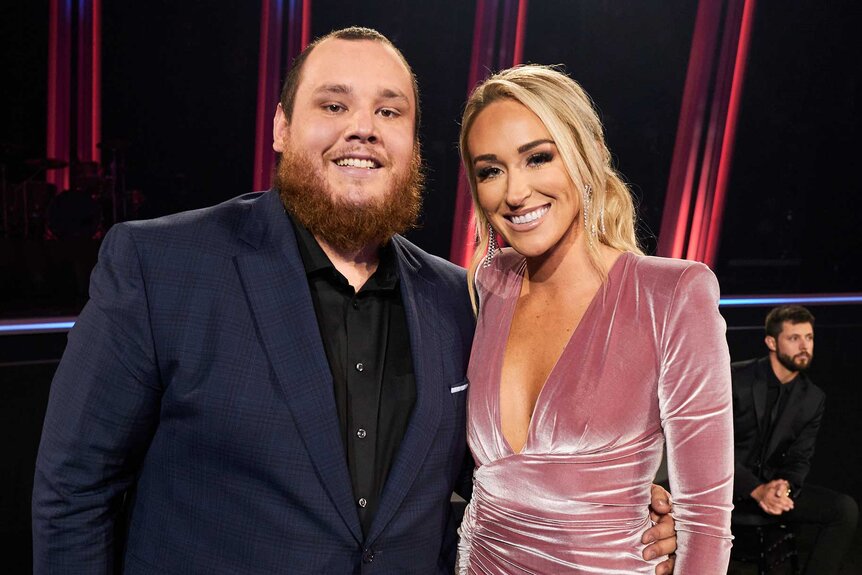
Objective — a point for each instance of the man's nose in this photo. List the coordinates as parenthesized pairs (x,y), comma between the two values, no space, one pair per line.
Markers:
(362,127)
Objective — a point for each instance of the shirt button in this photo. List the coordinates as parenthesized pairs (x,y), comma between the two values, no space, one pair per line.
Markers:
(361,433)
(359,366)
(355,304)
(362,502)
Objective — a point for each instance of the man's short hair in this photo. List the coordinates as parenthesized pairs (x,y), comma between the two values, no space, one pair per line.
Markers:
(354,33)
(792,313)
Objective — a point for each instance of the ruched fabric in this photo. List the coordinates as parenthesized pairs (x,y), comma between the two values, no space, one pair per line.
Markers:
(647,363)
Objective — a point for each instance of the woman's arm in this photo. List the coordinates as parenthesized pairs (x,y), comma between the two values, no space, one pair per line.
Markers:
(697,417)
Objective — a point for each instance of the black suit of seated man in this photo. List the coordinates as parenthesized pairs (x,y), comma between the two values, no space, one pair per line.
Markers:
(777,411)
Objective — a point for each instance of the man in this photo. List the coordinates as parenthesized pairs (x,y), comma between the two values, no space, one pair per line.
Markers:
(777,411)
(280,377)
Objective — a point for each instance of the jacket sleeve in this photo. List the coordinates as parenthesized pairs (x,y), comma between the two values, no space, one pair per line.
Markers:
(797,459)
(102,412)
(696,410)
(744,479)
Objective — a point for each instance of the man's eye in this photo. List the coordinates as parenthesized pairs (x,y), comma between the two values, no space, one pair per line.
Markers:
(334,108)
(539,159)
(389,113)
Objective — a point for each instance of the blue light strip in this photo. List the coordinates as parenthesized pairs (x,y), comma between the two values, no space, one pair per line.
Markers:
(46,325)
(739,301)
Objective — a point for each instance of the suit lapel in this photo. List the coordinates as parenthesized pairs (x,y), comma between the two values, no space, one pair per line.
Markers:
(419,299)
(274,280)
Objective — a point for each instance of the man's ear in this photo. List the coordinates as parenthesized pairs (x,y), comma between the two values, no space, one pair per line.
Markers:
(770,342)
(280,129)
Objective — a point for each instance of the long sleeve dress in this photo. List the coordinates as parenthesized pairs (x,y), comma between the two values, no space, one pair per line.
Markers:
(648,363)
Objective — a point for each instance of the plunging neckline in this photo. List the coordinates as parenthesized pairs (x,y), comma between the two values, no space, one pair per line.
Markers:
(509,318)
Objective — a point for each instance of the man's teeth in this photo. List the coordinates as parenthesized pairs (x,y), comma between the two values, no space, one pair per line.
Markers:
(356,163)
(530,217)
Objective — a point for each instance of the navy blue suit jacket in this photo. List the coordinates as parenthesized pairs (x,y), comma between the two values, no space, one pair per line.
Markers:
(196,374)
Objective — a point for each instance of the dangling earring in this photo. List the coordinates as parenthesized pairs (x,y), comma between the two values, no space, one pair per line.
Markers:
(588,200)
(602,220)
(492,247)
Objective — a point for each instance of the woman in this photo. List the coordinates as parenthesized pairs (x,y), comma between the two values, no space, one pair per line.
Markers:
(587,354)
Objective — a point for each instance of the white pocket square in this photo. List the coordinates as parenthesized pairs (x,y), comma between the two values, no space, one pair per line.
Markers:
(459,388)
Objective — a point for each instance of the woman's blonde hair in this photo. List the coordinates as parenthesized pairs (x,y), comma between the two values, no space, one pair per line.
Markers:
(568,113)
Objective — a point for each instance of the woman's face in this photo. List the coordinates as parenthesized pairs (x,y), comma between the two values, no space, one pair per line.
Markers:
(522,183)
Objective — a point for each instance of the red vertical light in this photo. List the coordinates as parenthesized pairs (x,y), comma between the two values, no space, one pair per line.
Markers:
(269,73)
(510,51)
(88,116)
(59,88)
(481,58)
(694,232)
(269,65)
(306,25)
(684,163)
(96,82)
(740,61)
(520,33)
(717,136)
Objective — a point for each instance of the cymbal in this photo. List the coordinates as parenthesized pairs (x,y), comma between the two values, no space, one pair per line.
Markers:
(46,163)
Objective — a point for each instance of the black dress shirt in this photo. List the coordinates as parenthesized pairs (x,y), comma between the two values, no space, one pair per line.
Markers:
(368,348)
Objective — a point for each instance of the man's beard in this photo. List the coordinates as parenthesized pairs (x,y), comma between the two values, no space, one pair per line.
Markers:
(345,226)
(791,365)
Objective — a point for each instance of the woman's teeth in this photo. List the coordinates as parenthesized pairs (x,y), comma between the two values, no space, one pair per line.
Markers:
(530,216)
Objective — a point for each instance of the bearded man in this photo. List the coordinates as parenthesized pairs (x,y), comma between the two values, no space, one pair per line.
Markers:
(777,411)
(275,384)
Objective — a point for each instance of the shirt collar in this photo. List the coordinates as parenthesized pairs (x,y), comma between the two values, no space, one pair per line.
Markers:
(773,381)
(315,261)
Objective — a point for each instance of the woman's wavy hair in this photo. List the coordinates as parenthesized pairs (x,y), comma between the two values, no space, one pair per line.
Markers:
(568,113)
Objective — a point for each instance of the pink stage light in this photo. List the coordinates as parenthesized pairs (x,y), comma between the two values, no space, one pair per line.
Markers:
(510,52)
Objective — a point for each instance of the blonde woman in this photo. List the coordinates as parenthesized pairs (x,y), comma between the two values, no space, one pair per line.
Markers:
(588,355)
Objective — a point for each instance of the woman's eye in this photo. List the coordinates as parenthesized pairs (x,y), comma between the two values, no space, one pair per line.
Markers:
(487,172)
(539,159)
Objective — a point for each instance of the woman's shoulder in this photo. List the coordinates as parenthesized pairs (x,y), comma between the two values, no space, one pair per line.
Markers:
(666,283)
(667,273)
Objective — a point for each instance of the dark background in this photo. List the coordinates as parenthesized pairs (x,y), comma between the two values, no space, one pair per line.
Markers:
(180,87)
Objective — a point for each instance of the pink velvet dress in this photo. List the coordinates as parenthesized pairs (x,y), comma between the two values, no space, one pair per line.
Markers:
(647,363)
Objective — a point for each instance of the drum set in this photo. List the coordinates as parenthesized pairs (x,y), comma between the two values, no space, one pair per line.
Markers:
(33,208)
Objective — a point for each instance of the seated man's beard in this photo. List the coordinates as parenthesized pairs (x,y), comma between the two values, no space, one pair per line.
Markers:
(788,362)
(344,226)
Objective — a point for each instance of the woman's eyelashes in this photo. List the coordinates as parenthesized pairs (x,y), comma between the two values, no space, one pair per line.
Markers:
(533,160)
(539,158)
(487,172)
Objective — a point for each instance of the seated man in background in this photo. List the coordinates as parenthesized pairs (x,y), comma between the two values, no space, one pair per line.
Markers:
(777,411)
